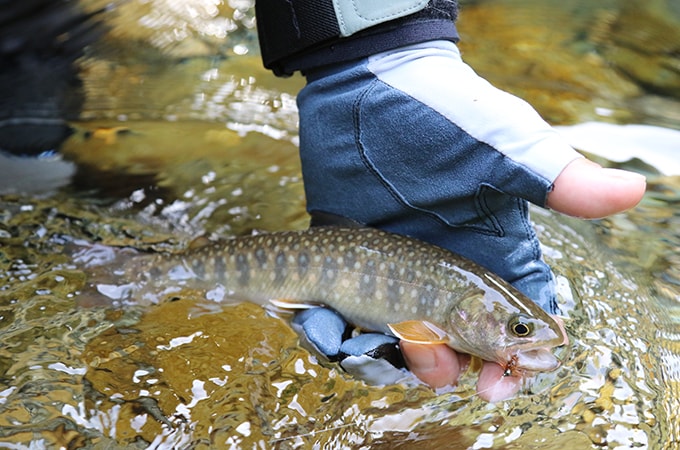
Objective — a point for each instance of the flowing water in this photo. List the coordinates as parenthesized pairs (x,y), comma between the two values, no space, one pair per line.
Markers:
(185,135)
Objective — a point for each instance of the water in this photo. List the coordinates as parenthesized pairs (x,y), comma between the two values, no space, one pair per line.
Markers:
(185,135)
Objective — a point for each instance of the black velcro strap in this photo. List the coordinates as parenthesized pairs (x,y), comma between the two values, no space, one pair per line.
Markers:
(289,26)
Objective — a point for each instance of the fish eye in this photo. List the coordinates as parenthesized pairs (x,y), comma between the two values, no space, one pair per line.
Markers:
(520,326)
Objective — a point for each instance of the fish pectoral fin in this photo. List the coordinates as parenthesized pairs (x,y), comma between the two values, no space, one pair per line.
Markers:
(284,303)
(419,332)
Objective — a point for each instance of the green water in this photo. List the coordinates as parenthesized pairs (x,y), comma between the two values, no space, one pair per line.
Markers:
(185,135)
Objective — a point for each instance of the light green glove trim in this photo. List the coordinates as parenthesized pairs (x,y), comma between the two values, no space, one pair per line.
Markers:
(356,15)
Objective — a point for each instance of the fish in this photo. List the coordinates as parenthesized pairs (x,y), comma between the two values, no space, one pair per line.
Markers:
(377,280)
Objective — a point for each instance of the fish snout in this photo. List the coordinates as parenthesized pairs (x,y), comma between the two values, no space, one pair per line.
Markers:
(536,360)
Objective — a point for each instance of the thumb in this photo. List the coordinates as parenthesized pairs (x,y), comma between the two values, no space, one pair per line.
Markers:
(586,189)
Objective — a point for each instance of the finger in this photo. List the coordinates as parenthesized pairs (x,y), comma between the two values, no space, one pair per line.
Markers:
(494,386)
(437,365)
(585,189)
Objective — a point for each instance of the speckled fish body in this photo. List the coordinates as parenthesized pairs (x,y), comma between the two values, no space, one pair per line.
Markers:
(377,281)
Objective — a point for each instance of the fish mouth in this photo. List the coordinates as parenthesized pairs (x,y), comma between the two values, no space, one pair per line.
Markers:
(536,360)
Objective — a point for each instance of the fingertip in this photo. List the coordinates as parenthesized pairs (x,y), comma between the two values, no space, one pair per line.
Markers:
(493,386)
(436,365)
(627,187)
(587,190)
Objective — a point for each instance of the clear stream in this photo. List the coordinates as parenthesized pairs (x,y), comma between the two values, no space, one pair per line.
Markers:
(185,135)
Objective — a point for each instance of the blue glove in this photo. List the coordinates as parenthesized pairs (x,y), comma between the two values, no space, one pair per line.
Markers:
(421,145)
(372,357)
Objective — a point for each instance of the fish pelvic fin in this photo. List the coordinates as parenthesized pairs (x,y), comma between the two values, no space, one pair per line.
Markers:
(284,303)
(419,332)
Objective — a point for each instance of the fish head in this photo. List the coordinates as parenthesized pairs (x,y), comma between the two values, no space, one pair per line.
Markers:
(529,341)
(500,324)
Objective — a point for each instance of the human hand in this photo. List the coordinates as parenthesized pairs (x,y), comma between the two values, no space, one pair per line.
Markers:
(440,366)
(583,189)
(376,358)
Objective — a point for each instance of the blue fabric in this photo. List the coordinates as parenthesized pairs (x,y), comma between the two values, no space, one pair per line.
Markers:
(374,358)
(366,343)
(374,154)
(324,328)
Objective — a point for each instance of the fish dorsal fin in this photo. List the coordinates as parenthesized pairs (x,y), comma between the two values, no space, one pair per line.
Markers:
(419,332)
(327,219)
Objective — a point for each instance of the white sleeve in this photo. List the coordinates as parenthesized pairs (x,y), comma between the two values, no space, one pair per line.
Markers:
(435,74)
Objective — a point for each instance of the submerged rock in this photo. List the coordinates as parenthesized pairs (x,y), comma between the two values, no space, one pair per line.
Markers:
(643,41)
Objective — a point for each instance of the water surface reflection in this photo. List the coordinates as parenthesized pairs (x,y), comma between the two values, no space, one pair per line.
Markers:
(185,135)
